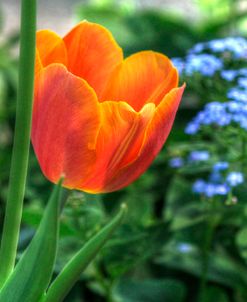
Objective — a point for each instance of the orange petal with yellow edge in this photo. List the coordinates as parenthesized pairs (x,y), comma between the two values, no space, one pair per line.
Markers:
(119,141)
(38,63)
(142,78)
(155,136)
(51,48)
(66,121)
(92,54)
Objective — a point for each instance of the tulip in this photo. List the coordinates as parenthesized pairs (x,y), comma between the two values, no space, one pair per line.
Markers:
(99,119)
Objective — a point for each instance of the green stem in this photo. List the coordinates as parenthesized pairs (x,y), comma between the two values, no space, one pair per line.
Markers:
(212,222)
(205,261)
(243,151)
(19,163)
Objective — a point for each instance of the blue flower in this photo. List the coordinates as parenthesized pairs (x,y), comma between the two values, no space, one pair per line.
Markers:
(242,121)
(234,106)
(224,120)
(213,113)
(192,128)
(242,82)
(237,94)
(236,45)
(176,162)
(242,72)
(205,64)
(184,247)
(210,189)
(217,45)
(215,176)
(228,75)
(199,186)
(197,48)
(200,60)
(235,178)
(220,166)
(198,156)
(222,189)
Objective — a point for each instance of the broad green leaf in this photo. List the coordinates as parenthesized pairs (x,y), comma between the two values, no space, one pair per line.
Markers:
(72,271)
(32,216)
(33,272)
(174,197)
(153,290)
(221,267)
(241,240)
(214,293)
(132,246)
(187,216)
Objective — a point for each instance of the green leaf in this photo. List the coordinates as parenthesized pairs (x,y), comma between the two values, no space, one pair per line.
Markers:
(132,246)
(72,271)
(241,241)
(33,272)
(215,294)
(160,290)
(187,216)
(32,215)
(222,268)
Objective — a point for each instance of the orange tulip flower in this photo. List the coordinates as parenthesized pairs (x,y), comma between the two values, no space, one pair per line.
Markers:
(99,119)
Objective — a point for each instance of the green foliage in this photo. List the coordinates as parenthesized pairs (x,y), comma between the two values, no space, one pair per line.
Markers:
(153,290)
(158,253)
(222,269)
(73,269)
(33,272)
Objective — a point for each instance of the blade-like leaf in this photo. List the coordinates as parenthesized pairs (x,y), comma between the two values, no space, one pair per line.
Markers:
(33,272)
(150,290)
(72,271)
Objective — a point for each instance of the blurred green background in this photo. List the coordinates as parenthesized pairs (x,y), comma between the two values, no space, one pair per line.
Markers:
(167,247)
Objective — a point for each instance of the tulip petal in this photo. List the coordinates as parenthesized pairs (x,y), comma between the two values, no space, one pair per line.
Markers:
(155,136)
(119,140)
(51,48)
(92,54)
(38,63)
(142,78)
(66,122)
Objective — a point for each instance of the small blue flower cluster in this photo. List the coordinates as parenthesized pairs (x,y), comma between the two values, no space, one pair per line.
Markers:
(217,184)
(208,59)
(222,114)
(198,156)
(231,74)
(237,46)
(194,156)
(176,162)
(204,57)
(210,189)
(204,64)
(237,93)
(214,113)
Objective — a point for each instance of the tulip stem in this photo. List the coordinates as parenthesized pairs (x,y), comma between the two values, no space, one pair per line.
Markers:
(20,153)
